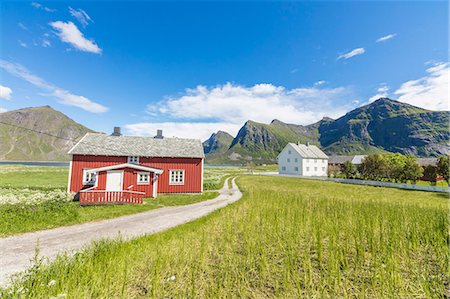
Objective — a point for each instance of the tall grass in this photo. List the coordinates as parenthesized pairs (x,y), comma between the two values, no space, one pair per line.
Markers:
(286,238)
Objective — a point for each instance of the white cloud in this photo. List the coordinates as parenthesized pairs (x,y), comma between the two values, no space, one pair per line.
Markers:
(81,16)
(22,44)
(200,131)
(21,25)
(228,106)
(63,96)
(261,102)
(5,92)
(352,53)
(40,6)
(3,109)
(429,92)
(320,82)
(382,92)
(386,37)
(293,71)
(46,43)
(69,33)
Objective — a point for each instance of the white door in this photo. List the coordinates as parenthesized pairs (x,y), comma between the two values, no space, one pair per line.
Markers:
(114,180)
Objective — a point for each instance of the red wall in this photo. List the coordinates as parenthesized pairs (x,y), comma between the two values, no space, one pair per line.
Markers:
(192,173)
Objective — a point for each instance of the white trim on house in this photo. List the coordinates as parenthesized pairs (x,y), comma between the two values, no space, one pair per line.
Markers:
(182,171)
(69,180)
(79,141)
(155,185)
(145,173)
(127,165)
(91,182)
(202,174)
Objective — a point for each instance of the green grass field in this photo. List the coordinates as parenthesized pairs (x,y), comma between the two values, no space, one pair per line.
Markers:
(286,238)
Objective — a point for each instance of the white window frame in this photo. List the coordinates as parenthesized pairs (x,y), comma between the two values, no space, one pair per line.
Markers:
(296,168)
(144,182)
(283,168)
(323,168)
(171,171)
(307,168)
(315,160)
(133,159)
(92,176)
(289,152)
(315,168)
(296,160)
(288,160)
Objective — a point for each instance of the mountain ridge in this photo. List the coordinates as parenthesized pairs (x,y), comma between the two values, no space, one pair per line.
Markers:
(384,125)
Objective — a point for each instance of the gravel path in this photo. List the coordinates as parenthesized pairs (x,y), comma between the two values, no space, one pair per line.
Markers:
(17,252)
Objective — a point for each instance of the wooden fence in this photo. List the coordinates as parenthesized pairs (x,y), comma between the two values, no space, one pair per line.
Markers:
(100,197)
(367,183)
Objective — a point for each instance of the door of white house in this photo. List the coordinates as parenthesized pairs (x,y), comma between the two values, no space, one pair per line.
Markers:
(114,180)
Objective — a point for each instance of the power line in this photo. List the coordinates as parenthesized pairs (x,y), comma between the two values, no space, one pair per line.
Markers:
(51,135)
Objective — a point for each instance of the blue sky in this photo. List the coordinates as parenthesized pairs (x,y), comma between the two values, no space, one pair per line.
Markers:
(192,68)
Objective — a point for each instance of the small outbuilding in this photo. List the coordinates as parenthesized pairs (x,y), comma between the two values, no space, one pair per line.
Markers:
(303,160)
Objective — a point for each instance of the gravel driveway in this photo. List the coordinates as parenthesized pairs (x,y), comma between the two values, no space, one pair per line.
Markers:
(17,252)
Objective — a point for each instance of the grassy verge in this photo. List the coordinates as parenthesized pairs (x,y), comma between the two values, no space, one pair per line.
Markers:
(25,218)
(33,177)
(286,238)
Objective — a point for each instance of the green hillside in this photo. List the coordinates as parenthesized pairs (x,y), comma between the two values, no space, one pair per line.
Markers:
(25,145)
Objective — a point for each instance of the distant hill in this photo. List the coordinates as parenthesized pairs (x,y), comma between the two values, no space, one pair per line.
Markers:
(217,144)
(384,125)
(24,145)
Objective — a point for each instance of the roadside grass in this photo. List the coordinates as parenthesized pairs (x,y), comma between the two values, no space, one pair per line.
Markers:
(286,237)
(20,218)
(33,177)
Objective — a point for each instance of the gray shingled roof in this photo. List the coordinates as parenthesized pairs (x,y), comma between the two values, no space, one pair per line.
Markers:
(309,151)
(427,161)
(339,159)
(106,145)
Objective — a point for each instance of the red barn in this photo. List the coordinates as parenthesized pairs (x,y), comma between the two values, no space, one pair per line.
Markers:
(124,169)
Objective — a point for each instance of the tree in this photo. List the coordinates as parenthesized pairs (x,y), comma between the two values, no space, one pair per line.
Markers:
(443,168)
(348,169)
(430,172)
(395,164)
(373,167)
(411,170)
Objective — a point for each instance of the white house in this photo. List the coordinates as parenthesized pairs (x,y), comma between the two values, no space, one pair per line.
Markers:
(304,160)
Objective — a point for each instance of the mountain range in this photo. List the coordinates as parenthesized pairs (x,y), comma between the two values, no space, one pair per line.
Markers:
(382,126)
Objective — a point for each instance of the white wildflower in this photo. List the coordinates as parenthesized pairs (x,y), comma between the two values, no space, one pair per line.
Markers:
(51,282)
(171,278)
(32,197)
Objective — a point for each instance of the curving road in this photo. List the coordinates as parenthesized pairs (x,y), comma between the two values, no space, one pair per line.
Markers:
(17,252)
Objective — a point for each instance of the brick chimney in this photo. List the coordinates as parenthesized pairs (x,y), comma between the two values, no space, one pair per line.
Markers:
(159,134)
(116,132)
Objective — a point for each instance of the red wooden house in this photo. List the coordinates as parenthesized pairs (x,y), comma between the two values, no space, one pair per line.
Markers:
(124,169)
